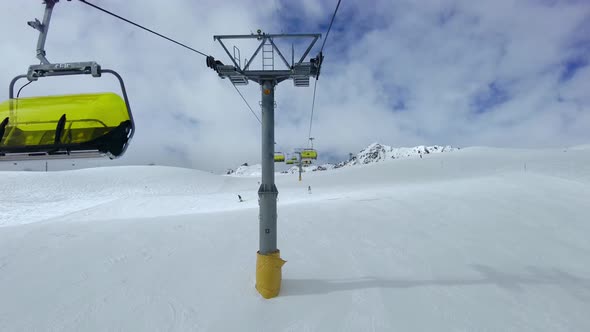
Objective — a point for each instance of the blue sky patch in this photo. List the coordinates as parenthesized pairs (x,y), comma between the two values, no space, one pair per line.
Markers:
(399,105)
(446,15)
(495,94)
(571,67)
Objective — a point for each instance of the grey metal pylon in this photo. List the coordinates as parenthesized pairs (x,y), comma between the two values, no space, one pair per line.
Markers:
(300,72)
(268,193)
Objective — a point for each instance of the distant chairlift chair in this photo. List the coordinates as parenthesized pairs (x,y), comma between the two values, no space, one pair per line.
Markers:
(309,154)
(279,157)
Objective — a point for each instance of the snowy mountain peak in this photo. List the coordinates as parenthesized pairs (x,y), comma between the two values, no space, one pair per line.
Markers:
(377,152)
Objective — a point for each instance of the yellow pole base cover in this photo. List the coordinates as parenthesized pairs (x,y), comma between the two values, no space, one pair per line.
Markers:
(268,274)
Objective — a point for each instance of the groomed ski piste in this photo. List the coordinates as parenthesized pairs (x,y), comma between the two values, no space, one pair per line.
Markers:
(480,239)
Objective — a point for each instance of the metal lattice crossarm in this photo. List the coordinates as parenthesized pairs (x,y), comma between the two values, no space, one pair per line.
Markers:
(300,71)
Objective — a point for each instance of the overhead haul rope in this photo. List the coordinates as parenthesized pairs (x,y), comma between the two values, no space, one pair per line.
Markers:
(142,27)
(244,99)
(167,38)
(316,81)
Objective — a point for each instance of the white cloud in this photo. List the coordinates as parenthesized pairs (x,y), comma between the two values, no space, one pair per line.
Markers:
(399,72)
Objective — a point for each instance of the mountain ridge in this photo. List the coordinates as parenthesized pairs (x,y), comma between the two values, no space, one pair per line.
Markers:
(373,153)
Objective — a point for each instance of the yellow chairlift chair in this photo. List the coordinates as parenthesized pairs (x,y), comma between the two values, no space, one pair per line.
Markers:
(65,126)
(279,157)
(309,154)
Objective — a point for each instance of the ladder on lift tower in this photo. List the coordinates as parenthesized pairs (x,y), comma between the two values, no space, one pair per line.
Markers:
(268,56)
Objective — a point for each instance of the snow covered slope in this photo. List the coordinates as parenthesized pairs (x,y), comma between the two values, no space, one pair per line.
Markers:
(475,240)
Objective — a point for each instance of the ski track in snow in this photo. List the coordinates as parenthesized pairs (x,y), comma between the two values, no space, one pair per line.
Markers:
(478,239)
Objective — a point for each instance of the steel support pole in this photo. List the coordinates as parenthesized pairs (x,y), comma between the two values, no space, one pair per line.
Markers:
(268,193)
(300,165)
(43,33)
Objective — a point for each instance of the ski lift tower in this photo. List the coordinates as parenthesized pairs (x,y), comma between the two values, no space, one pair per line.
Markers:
(268,262)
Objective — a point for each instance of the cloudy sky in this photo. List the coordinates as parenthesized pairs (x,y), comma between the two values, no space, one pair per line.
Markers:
(510,73)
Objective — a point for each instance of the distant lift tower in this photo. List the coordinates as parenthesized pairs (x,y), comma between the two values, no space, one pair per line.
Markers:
(269,262)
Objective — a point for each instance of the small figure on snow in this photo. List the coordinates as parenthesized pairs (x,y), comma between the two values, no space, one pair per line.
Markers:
(240,198)
(309,189)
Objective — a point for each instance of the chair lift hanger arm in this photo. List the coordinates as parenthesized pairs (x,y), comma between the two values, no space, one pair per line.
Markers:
(43,28)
